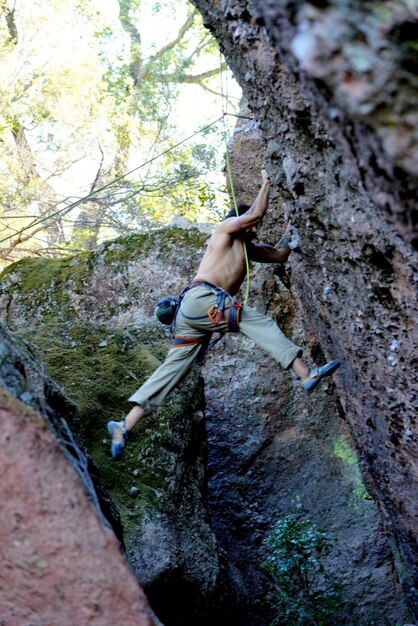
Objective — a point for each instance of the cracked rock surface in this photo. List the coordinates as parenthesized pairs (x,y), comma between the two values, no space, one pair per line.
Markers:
(332,86)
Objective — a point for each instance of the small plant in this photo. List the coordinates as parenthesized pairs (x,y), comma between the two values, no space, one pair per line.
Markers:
(306,594)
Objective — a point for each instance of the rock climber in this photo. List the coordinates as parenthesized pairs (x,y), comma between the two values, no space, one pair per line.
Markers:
(209,305)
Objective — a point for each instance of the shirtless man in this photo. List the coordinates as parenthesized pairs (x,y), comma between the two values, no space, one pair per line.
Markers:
(208,305)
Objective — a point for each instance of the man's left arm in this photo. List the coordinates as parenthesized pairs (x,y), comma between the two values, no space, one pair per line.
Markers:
(263,253)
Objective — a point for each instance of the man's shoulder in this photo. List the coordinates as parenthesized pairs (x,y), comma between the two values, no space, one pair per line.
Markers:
(230,226)
(220,231)
(219,238)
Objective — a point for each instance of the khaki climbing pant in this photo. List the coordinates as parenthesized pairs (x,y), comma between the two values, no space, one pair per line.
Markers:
(194,326)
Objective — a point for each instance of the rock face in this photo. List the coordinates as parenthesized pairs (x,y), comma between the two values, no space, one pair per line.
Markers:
(61,562)
(26,379)
(269,452)
(332,87)
(273,451)
(88,318)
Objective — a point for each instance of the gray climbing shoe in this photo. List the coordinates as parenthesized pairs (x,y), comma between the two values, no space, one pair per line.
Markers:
(316,374)
(119,436)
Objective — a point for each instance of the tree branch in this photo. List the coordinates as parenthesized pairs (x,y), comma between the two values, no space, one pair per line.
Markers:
(172,44)
(192,78)
(94,183)
(169,46)
(9,15)
(135,36)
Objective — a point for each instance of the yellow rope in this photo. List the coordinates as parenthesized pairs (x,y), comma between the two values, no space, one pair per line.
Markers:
(232,188)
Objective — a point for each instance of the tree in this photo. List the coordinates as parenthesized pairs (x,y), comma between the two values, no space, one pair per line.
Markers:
(86,97)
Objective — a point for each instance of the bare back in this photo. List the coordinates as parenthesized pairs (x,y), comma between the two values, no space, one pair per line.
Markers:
(223,263)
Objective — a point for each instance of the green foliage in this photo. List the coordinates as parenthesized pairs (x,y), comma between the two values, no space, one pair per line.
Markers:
(90,90)
(307,594)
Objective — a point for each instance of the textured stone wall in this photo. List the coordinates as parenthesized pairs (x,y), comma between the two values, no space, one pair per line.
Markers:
(270,452)
(60,564)
(88,319)
(332,88)
(274,451)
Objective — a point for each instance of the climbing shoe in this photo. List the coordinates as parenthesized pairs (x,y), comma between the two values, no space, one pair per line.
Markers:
(316,374)
(119,436)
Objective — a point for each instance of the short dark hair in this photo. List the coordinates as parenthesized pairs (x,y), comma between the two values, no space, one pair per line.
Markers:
(242,208)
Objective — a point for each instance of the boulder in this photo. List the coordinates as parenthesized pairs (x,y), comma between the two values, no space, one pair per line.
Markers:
(61,560)
(269,451)
(89,319)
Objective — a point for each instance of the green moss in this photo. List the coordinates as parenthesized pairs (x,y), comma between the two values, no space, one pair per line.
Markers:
(346,455)
(126,249)
(36,274)
(343,452)
(123,250)
(47,286)
(99,368)
(48,283)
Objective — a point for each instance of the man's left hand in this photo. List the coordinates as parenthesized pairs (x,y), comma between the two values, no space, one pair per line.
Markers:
(291,239)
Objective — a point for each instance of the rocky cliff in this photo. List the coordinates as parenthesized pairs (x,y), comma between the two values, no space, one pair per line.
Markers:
(332,87)
(195,537)
(61,561)
(89,318)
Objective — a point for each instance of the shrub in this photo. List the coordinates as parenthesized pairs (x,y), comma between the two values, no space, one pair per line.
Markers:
(306,593)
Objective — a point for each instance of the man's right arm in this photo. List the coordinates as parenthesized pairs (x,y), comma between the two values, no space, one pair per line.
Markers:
(254,215)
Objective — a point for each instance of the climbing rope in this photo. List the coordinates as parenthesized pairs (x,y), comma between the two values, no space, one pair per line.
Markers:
(231,182)
(96,191)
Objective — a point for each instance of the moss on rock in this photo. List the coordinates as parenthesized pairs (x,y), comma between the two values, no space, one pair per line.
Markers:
(99,368)
(35,291)
(88,319)
(42,275)
(169,239)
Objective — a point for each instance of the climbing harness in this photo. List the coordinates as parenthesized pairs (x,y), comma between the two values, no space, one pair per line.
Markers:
(168,307)
(207,343)
(216,312)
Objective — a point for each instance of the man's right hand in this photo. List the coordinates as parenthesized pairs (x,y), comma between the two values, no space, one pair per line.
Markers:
(264,175)
(290,239)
